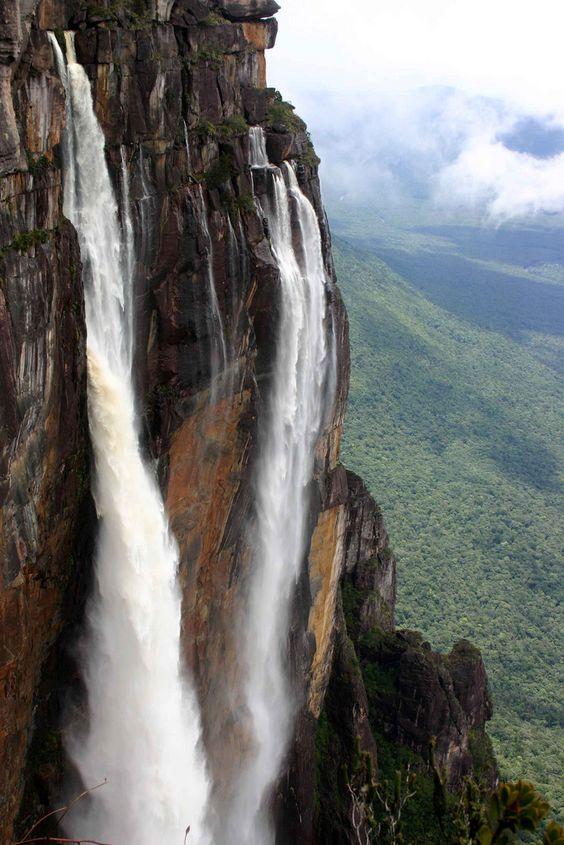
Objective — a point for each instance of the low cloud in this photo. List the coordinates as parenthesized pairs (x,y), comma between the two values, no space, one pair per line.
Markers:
(439,146)
(504,183)
(457,103)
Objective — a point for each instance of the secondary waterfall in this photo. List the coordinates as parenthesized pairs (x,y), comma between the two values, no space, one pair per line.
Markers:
(219,356)
(257,147)
(295,414)
(143,729)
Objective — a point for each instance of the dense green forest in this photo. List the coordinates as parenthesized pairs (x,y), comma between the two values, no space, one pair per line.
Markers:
(455,419)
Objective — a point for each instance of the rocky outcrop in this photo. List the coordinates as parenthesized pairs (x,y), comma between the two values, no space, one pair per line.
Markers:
(414,697)
(238,10)
(388,690)
(370,568)
(176,83)
(391,697)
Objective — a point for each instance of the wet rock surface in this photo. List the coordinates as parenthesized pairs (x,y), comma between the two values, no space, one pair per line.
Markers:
(45,505)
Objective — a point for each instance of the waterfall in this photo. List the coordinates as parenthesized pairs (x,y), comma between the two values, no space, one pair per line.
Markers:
(146,207)
(239,270)
(257,147)
(219,357)
(143,729)
(128,259)
(289,436)
(187,146)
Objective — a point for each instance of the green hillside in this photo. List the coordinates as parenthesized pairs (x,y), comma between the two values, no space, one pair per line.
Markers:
(455,425)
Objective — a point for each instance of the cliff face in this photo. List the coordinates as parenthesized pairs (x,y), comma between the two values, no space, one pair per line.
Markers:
(177,82)
(44,464)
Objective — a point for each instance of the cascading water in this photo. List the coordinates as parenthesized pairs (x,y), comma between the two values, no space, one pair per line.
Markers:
(143,730)
(219,355)
(294,420)
(239,268)
(146,211)
(187,146)
(128,258)
(257,147)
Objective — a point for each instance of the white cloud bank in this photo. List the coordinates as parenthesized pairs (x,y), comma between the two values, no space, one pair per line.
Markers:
(509,49)
(504,182)
(409,95)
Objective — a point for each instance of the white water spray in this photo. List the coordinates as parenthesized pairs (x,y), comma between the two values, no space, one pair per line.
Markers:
(293,423)
(143,732)
(257,147)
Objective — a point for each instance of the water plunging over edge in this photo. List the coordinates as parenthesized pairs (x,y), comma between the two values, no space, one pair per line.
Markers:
(294,417)
(218,351)
(128,269)
(257,148)
(143,733)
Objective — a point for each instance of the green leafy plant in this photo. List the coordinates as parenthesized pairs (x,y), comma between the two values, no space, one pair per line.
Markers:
(219,172)
(393,798)
(281,115)
(362,789)
(23,241)
(510,808)
(233,204)
(366,793)
(553,834)
(480,816)
(233,126)
(205,129)
(37,166)
(310,157)
(213,19)
(212,57)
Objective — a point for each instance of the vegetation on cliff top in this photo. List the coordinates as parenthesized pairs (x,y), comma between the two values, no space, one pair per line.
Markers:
(382,810)
(281,115)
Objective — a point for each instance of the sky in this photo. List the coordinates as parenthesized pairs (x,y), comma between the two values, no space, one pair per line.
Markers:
(446,98)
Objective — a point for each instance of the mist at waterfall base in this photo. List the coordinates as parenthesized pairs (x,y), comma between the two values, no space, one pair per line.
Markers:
(143,729)
(300,391)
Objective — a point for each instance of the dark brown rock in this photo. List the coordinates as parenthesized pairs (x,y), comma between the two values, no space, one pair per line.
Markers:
(188,12)
(44,472)
(414,698)
(470,681)
(240,10)
(343,732)
(370,567)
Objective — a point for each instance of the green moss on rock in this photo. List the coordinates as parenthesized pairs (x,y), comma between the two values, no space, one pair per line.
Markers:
(282,117)
(483,758)
(219,172)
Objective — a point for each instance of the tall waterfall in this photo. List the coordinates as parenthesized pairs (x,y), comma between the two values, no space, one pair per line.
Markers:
(143,732)
(289,437)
